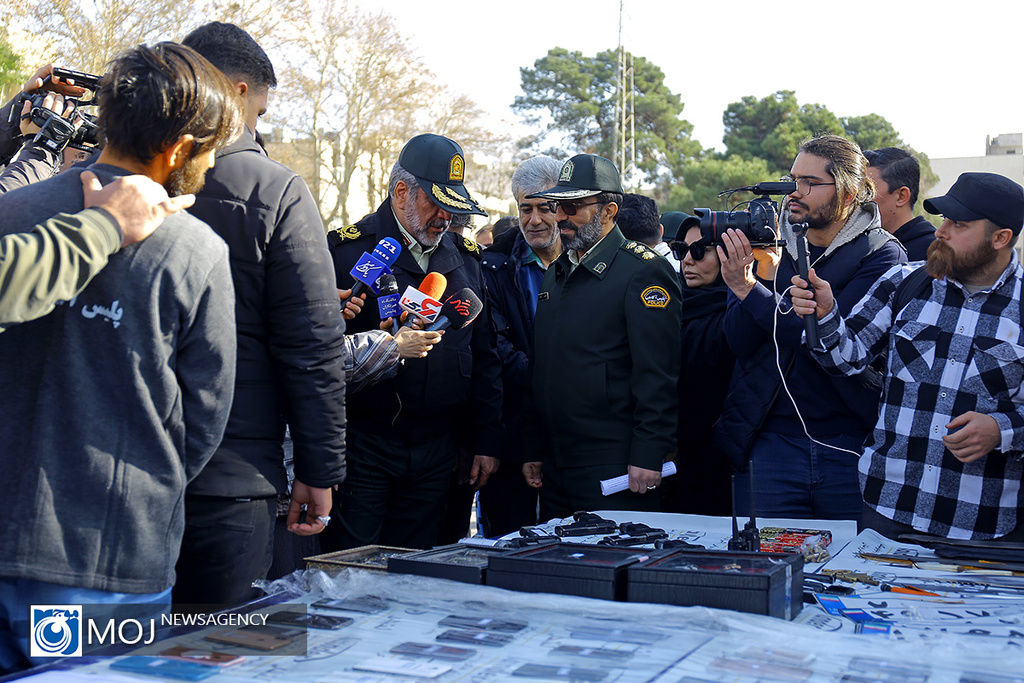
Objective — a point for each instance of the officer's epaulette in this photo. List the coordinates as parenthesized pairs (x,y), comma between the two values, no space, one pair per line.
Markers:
(345,234)
(467,245)
(639,250)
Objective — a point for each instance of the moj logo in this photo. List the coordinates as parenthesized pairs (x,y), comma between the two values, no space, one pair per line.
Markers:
(55,631)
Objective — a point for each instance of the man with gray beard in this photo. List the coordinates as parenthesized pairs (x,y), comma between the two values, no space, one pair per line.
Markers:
(405,434)
(606,342)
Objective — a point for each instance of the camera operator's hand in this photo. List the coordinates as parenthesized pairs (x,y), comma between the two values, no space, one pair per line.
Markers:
(37,80)
(767,259)
(806,302)
(55,103)
(416,343)
(737,259)
(138,204)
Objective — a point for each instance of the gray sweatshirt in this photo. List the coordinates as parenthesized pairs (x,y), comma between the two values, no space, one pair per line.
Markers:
(112,402)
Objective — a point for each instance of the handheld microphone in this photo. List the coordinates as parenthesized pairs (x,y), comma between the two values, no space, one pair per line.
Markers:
(370,267)
(803,267)
(424,302)
(458,311)
(387,296)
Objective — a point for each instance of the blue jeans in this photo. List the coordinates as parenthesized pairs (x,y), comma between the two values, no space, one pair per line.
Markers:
(797,478)
(16,597)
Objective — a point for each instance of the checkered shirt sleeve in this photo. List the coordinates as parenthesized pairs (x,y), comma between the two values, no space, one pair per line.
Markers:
(947,354)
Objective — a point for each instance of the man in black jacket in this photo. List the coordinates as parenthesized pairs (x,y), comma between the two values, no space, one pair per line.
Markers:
(514,268)
(897,178)
(290,351)
(405,433)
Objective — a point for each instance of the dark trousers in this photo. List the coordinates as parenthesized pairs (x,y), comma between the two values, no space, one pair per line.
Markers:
(394,493)
(228,544)
(571,489)
(797,478)
(290,550)
(870,519)
(507,503)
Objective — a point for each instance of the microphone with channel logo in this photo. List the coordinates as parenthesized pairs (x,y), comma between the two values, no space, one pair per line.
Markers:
(424,303)
(387,299)
(370,267)
(458,310)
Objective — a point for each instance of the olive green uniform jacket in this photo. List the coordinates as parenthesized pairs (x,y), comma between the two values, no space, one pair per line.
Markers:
(53,262)
(607,342)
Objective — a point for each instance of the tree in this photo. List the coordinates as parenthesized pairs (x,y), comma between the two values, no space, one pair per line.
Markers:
(871,131)
(704,178)
(773,128)
(572,97)
(12,72)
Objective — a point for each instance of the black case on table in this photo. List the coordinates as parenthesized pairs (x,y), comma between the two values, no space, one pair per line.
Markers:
(760,583)
(458,562)
(589,571)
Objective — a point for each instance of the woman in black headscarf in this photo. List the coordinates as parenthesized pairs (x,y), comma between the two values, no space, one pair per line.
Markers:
(703,483)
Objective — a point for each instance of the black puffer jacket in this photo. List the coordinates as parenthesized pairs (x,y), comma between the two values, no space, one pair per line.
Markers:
(290,329)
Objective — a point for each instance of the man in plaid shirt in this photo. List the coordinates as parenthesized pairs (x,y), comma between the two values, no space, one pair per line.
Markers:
(945,456)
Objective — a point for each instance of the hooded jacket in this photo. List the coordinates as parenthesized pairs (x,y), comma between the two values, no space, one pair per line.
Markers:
(858,255)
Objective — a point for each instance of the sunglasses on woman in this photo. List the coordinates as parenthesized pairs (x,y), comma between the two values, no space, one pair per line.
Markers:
(698,250)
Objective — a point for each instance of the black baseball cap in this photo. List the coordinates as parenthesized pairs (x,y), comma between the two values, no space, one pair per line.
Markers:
(583,176)
(982,195)
(439,166)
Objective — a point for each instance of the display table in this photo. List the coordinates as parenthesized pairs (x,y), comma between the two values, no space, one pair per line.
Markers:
(566,638)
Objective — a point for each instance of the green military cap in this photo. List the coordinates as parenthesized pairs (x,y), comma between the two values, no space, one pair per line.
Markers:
(439,167)
(583,176)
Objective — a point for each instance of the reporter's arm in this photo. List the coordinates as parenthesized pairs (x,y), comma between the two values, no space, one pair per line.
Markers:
(53,262)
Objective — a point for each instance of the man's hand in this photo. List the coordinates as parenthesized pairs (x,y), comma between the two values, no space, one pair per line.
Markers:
(353,305)
(976,436)
(416,343)
(54,102)
(36,81)
(483,467)
(318,509)
(139,204)
(806,302)
(767,259)
(737,259)
(416,324)
(641,480)
(532,474)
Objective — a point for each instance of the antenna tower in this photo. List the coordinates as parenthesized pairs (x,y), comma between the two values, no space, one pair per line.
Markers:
(624,143)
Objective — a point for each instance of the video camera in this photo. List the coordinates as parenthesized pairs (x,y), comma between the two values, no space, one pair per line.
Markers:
(758,222)
(56,131)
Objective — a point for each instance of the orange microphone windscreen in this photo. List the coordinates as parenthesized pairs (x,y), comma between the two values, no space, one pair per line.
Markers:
(433,285)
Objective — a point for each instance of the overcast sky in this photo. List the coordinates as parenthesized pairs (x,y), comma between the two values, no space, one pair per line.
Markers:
(946,74)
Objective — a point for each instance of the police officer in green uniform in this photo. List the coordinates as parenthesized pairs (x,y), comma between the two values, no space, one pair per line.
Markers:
(404,434)
(607,354)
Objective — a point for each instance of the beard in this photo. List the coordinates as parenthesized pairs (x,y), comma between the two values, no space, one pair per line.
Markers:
(822,217)
(419,231)
(944,262)
(542,240)
(188,179)
(584,236)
